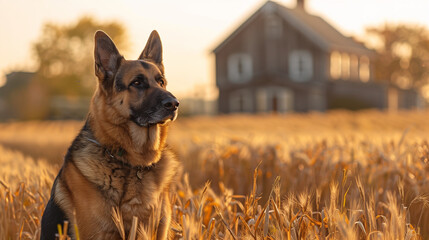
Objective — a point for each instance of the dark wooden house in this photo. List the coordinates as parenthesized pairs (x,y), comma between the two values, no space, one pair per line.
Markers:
(282,59)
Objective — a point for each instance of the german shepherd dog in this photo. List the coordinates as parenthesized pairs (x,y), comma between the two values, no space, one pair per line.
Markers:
(119,160)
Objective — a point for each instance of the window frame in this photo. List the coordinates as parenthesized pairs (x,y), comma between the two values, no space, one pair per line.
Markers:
(303,61)
(235,75)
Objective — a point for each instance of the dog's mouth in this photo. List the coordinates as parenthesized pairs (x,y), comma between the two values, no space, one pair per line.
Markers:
(156,121)
(165,120)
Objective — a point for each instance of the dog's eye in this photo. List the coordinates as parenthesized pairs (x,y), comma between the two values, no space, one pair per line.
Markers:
(136,83)
(139,82)
(161,82)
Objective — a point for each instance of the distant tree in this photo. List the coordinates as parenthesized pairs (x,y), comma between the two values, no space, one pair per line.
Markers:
(65,55)
(64,80)
(403,54)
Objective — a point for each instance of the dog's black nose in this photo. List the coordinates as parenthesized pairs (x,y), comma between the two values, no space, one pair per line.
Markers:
(170,103)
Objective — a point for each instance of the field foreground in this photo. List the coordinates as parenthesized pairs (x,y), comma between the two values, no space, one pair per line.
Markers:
(340,175)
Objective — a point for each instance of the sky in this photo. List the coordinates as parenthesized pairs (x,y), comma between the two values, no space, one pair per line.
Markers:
(189,29)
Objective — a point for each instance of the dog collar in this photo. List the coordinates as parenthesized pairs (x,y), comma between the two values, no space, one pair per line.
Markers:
(140,170)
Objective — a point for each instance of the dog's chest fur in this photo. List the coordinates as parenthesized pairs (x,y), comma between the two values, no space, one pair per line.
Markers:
(135,191)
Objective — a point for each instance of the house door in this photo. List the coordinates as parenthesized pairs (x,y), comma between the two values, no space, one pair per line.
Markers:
(274,100)
(274,104)
(280,100)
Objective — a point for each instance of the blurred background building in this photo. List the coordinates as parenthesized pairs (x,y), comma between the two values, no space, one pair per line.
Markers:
(282,60)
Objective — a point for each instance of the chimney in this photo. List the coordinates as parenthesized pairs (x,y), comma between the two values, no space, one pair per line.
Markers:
(300,4)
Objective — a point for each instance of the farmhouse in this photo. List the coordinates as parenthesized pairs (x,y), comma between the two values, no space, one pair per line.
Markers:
(283,59)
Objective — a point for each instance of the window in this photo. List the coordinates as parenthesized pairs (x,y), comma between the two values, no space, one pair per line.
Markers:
(354,67)
(345,66)
(261,100)
(335,68)
(300,65)
(241,101)
(240,67)
(364,73)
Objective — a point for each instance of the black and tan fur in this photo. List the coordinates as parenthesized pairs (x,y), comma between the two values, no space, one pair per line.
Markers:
(120,158)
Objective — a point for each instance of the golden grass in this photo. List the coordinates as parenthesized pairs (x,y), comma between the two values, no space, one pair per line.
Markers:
(342,175)
(24,191)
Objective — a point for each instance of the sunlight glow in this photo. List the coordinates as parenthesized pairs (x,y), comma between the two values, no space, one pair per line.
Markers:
(2,79)
(189,29)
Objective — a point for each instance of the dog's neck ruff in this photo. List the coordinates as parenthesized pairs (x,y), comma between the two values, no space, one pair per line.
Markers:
(120,152)
(140,170)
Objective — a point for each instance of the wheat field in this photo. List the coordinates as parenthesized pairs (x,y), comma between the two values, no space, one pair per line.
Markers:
(340,175)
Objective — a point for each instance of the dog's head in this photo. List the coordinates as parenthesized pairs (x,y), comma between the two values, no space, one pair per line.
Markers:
(135,89)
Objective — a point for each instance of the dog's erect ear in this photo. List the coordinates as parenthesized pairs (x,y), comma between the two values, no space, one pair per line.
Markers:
(153,50)
(107,58)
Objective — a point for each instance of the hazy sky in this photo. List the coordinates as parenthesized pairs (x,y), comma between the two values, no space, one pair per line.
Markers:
(189,29)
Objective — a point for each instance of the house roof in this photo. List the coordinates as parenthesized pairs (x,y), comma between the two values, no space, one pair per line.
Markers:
(315,28)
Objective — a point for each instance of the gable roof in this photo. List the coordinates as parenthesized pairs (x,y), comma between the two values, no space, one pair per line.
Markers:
(315,28)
